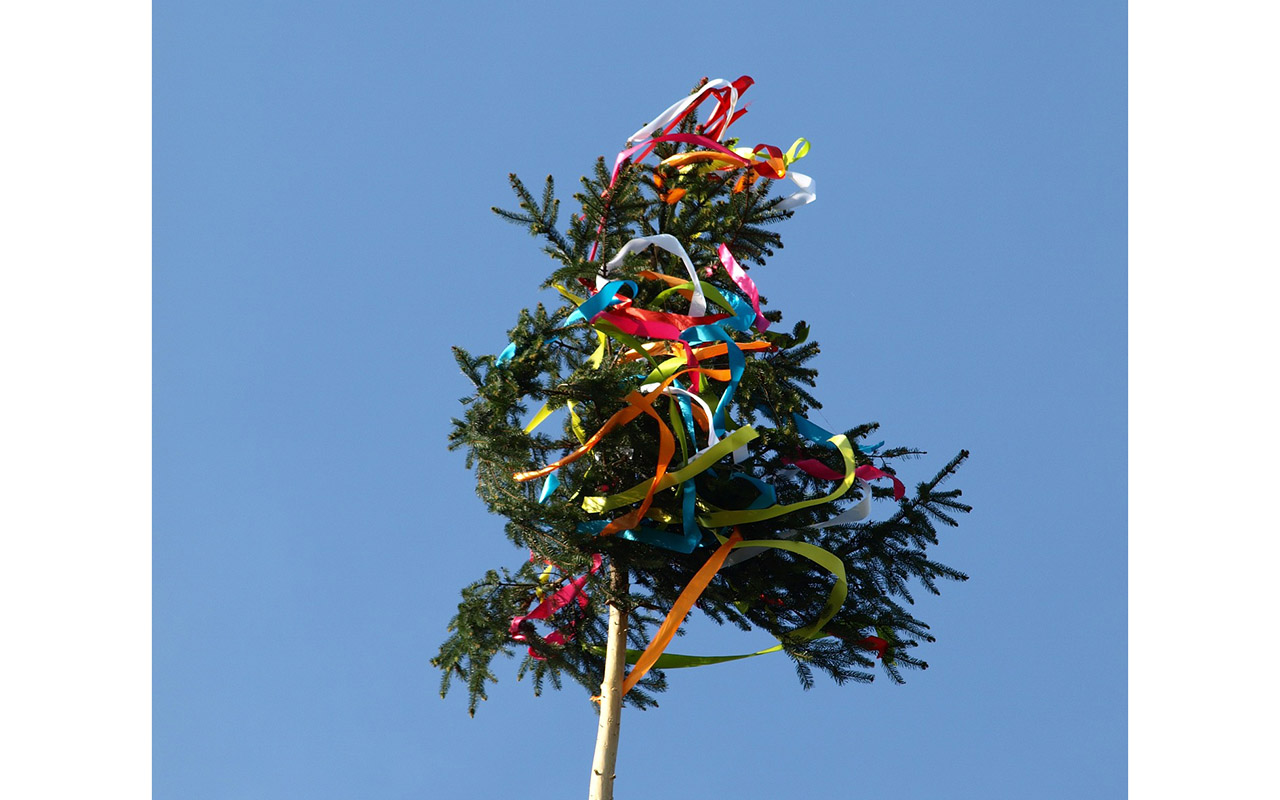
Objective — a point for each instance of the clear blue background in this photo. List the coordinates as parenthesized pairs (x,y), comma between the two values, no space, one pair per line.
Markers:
(323,173)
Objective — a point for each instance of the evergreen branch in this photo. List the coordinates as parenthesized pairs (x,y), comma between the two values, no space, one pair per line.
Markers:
(540,219)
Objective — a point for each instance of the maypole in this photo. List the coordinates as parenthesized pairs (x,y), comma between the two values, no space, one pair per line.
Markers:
(684,472)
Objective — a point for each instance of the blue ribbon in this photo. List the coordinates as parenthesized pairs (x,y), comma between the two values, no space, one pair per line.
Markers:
(737,363)
(768,495)
(549,486)
(607,296)
(679,543)
(822,436)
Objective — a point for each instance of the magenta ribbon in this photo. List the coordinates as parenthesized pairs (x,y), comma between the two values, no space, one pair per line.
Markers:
(745,283)
(817,469)
(569,593)
(657,325)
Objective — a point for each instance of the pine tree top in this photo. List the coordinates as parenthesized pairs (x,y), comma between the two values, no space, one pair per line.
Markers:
(677,423)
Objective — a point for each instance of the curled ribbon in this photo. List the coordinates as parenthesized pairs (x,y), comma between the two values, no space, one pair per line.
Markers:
(697,305)
(655,656)
(569,593)
(724,114)
(745,283)
(687,343)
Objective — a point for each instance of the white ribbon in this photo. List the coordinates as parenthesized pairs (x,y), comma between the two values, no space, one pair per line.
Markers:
(665,241)
(712,438)
(677,108)
(859,512)
(803,196)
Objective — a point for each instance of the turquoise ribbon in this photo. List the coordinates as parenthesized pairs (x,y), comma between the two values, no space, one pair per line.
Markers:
(607,296)
(549,486)
(822,436)
(737,363)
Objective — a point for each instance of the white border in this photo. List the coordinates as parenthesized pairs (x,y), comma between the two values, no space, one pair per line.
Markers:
(75,331)
(1203,219)
(75,435)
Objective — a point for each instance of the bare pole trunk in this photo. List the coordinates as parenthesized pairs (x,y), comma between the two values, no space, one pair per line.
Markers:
(615,664)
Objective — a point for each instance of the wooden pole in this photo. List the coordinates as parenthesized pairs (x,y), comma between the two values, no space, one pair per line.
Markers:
(615,665)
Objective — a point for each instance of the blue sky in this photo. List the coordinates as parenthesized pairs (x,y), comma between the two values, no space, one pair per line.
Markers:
(322,179)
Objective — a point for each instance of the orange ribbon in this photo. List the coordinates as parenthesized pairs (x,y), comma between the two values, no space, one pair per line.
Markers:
(637,404)
(706,351)
(676,616)
(666,451)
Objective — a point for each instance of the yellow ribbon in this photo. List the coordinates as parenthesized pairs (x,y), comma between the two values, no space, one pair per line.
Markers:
(720,518)
(700,464)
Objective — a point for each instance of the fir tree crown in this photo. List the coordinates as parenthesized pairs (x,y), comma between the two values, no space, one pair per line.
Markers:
(656,419)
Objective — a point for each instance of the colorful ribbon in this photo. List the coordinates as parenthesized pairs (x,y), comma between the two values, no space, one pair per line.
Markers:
(726,94)
(569,593)
(665,241)
(655,656)
(675,617)
(724,114)
(745,283)
(686,344)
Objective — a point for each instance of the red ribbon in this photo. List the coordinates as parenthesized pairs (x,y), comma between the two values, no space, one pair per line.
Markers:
(716,126)
(655,324)
(874,643)
(817,469)
(569,593)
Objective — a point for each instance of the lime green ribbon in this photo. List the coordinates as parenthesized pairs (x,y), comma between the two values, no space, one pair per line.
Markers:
(700,464)
(798,150)
(712,293)
(720,518)
(839,593)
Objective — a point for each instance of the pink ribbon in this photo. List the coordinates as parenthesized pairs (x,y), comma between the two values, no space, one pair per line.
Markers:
(726,95)
(724,113)
(817,469)
(569,593)
(654,324)
(745,283)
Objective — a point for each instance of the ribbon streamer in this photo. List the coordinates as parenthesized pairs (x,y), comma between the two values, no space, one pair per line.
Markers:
(727,96)
(856,513)
(675,346)
(570,592)
(653,655)
(745,283)
(665,241)
(722,116)
(684,603)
